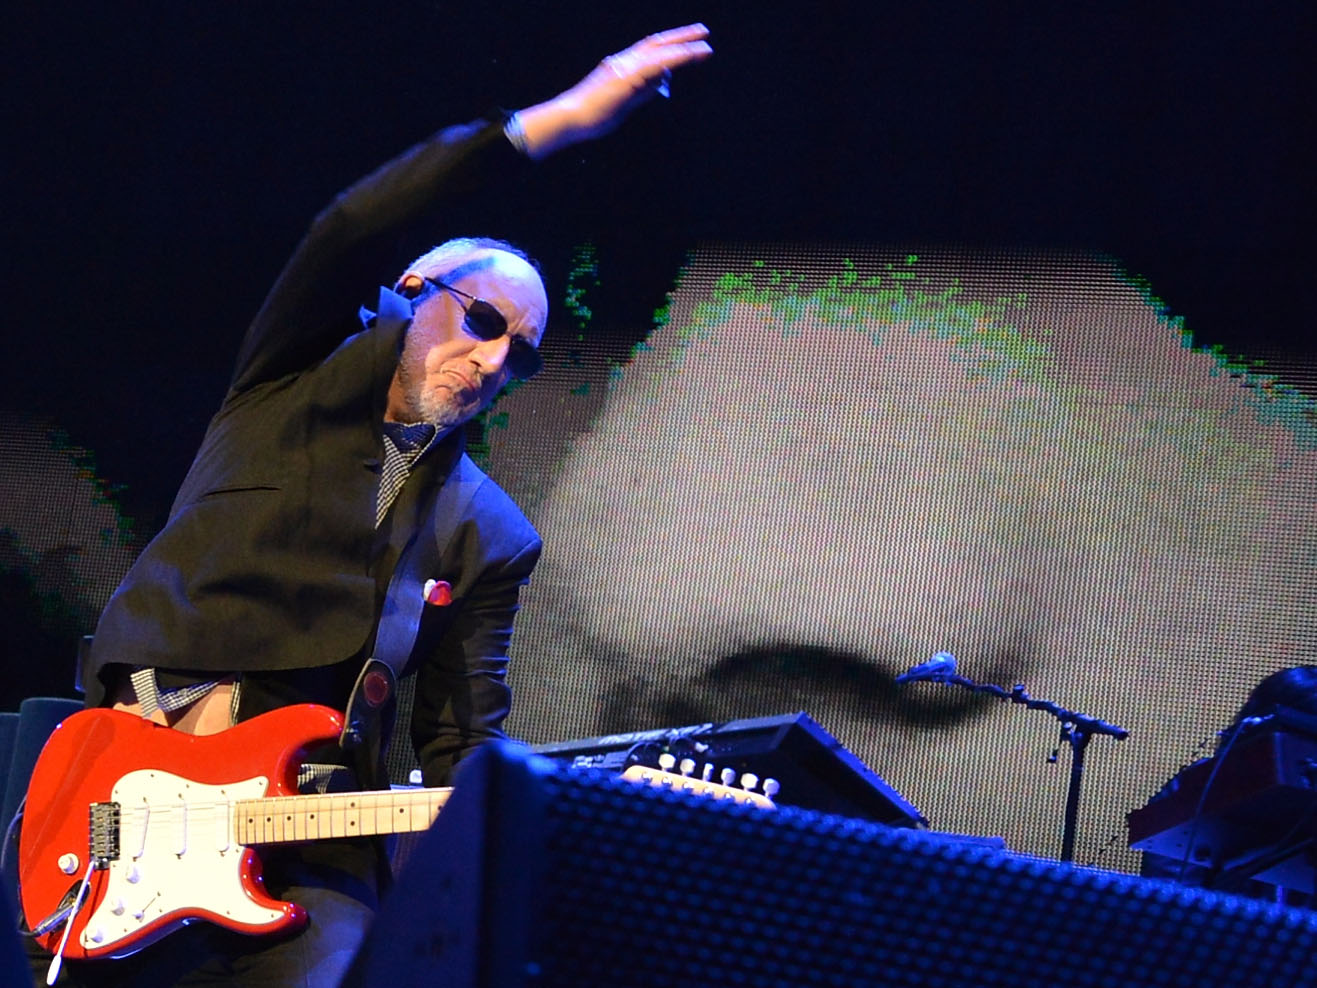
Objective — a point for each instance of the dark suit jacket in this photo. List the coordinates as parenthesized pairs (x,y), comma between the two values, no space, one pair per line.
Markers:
(270,561)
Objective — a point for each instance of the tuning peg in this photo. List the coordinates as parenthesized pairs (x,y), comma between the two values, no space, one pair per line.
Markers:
(667,760)
(687,766)
(727,776)
(772,787)
(749,781)
(706,773)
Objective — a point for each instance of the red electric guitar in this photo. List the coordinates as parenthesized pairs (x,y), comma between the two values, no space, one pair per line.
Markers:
(160,825)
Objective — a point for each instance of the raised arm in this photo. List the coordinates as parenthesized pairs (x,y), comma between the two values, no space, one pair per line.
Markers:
(311,307)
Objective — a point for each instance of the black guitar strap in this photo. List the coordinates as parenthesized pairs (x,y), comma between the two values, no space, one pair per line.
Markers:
(410,591)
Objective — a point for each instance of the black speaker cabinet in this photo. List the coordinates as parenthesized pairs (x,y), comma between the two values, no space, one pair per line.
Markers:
(539,876)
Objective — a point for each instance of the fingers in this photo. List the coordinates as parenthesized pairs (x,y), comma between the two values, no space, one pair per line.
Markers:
(662,52)
(682,54)
(676,35)
(648,65)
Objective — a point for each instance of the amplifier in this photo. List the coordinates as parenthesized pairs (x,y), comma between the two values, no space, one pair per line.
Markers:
(814,769)
(536,875)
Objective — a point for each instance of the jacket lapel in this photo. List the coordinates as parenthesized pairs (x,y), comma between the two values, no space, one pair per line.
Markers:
(421,538)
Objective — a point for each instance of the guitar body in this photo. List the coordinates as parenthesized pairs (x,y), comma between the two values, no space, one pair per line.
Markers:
(154,808)
(161,825)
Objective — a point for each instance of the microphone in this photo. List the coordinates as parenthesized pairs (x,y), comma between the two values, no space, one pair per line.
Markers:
(938,669)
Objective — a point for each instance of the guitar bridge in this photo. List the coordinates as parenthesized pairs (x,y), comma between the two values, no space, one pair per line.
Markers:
(103,827)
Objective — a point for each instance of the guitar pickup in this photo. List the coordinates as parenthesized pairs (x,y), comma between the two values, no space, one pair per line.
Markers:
(103,825)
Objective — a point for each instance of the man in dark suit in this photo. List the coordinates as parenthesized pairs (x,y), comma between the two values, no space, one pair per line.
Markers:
(331,516)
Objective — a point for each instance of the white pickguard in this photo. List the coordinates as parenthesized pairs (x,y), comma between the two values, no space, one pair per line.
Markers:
(176,852)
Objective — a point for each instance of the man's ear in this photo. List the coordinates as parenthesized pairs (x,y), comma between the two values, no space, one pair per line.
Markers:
(410,285)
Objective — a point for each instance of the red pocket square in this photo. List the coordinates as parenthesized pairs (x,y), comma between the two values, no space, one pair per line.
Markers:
(438,592)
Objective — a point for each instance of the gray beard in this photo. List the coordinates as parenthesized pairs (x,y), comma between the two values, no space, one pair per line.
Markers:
(444,418)
(442,414)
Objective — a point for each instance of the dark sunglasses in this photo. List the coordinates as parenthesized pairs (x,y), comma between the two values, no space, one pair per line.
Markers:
(484,322)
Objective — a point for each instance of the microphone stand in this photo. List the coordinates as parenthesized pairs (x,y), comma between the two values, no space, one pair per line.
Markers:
(1076,730)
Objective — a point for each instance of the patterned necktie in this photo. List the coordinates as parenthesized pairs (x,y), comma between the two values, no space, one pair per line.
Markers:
(403,444)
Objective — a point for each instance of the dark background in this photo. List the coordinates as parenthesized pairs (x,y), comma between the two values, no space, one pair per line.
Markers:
(162,160)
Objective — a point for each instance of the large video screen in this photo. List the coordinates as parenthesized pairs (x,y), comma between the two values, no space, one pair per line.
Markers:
(823,465)
(812,467)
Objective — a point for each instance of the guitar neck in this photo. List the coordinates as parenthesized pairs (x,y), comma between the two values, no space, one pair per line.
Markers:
(290,819)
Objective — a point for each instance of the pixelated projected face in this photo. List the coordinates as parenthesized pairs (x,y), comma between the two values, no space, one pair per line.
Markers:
(1022,464)
(447,373)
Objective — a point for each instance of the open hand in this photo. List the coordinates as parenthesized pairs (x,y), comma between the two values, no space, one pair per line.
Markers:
(615,87)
